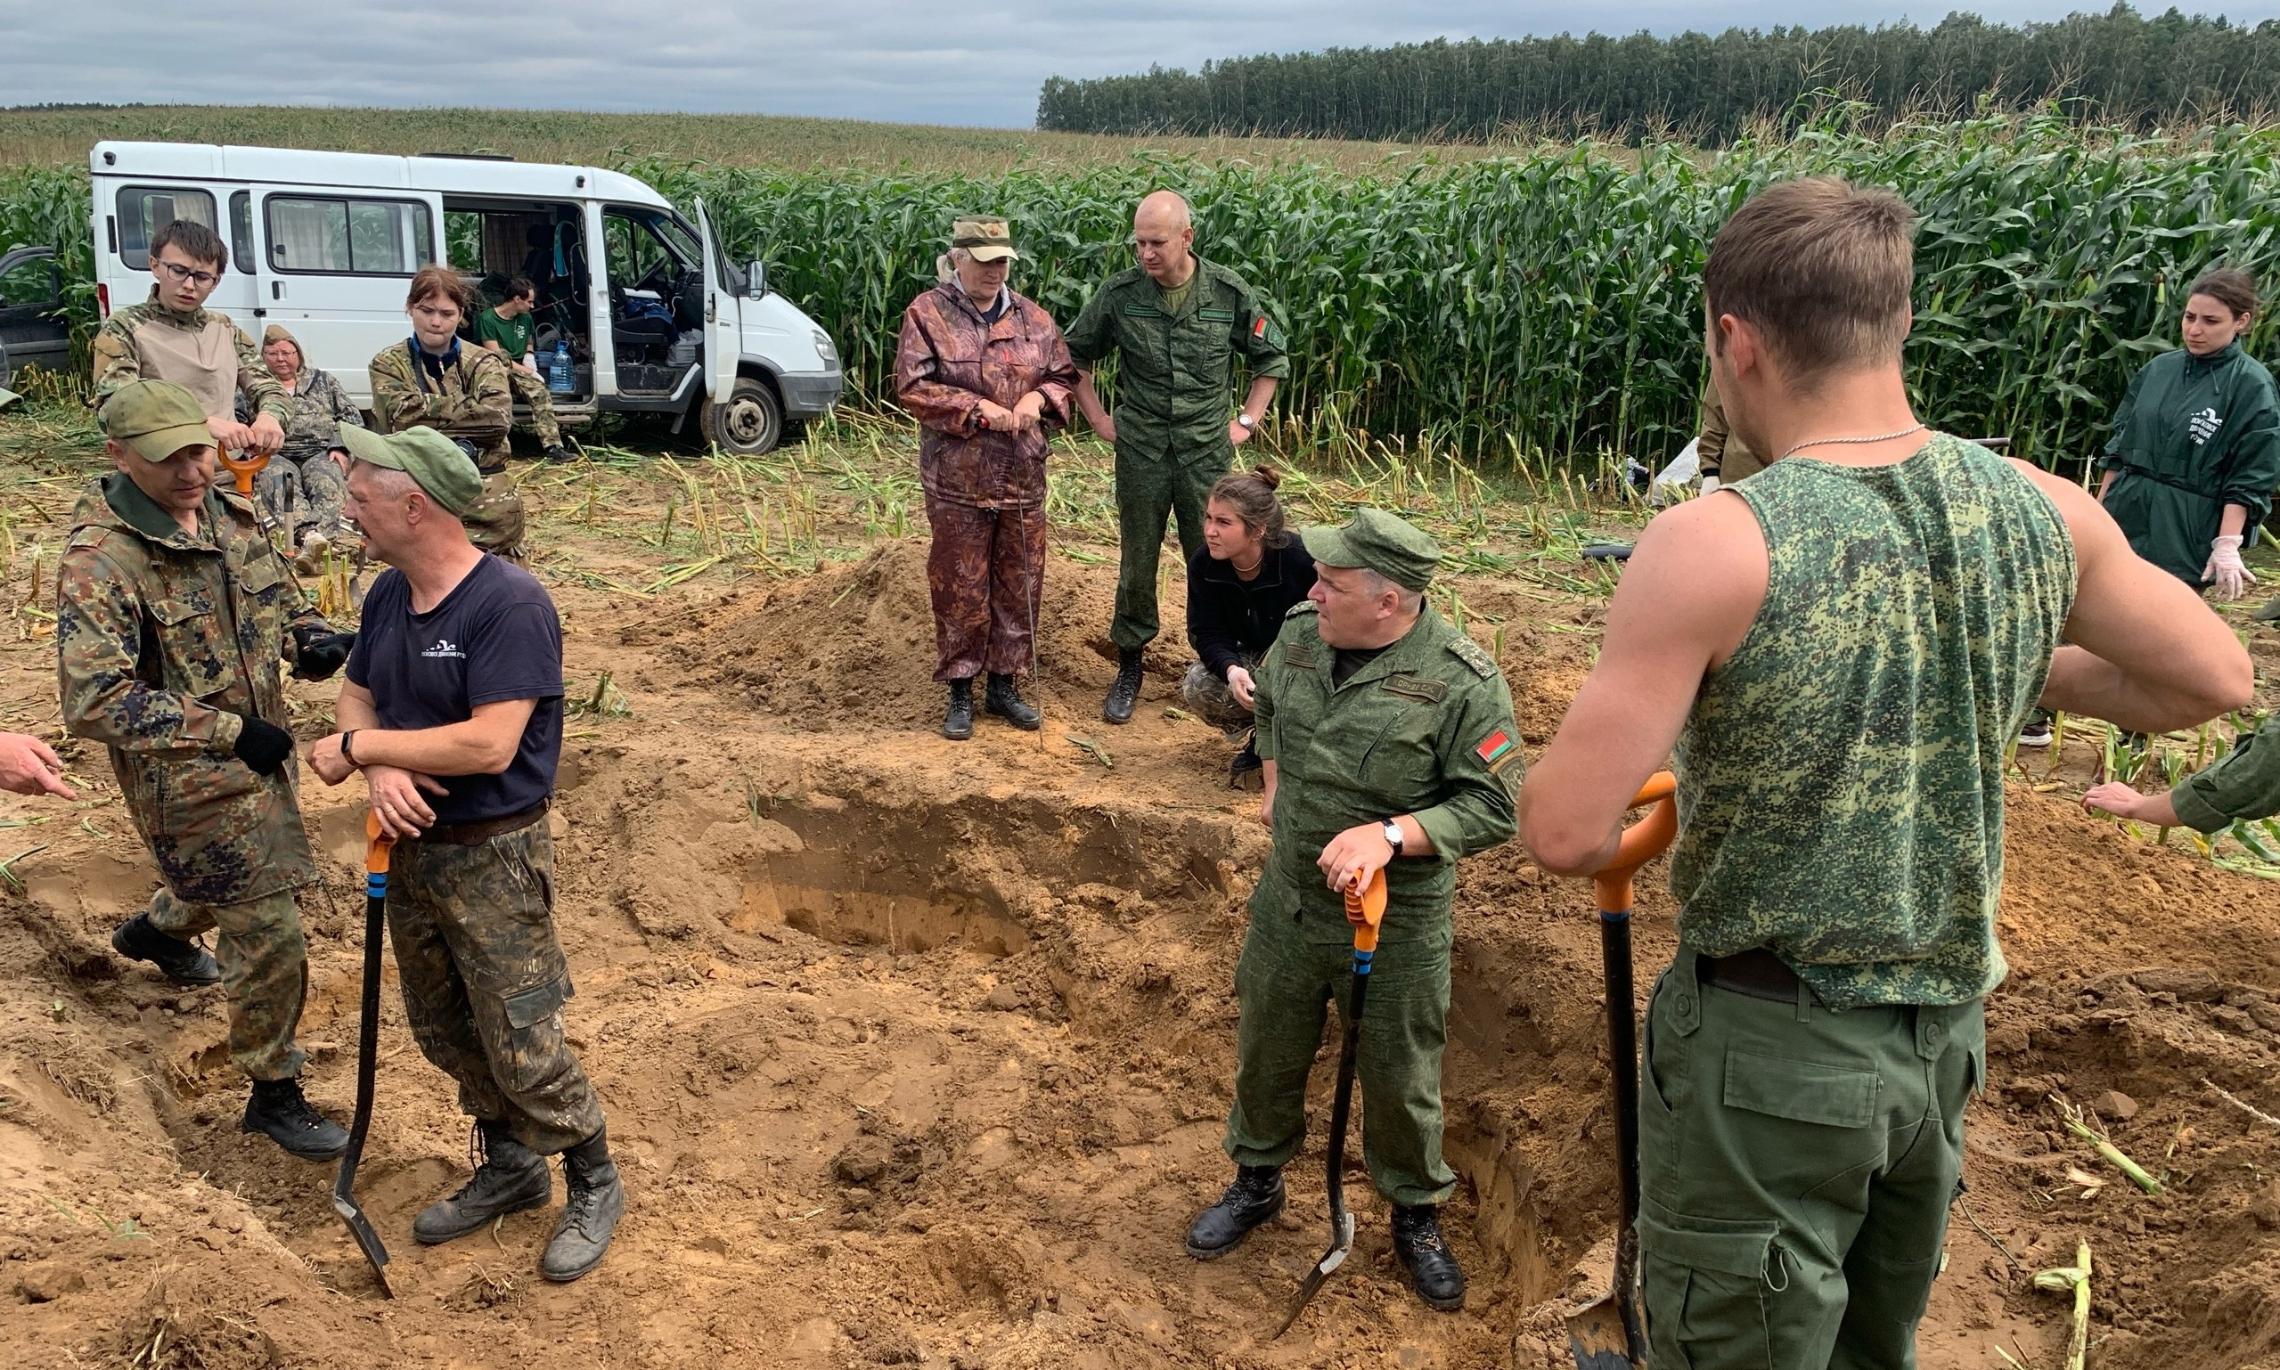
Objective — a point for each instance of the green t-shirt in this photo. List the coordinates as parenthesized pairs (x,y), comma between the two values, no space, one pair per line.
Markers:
(512,335)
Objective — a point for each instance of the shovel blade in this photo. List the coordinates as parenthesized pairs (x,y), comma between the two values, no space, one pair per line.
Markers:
(1600,1339)
(360,1227)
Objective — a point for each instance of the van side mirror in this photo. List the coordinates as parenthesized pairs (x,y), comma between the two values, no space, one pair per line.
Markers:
(755,280)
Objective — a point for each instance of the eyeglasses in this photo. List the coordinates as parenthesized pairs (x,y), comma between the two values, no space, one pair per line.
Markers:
(184,275)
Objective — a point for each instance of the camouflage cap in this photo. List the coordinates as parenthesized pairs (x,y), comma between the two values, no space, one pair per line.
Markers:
(985,240)
(447,473)
(155,419)
(1378,541)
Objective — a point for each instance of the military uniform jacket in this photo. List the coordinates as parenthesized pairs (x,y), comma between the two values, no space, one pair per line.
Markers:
(2246,784)
(947,362)
(201,351)
(1425,728)
(317,407)
(471,400)
(2194,434)
(163,642)
(1174,395)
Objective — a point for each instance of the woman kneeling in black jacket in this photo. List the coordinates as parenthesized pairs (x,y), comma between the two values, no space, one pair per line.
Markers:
(1248,575)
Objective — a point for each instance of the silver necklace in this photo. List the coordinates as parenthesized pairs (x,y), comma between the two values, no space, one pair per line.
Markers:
(1831,442)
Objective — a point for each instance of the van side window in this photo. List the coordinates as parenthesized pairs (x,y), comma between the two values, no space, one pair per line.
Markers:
(339,236)
(144,210)
(241,231)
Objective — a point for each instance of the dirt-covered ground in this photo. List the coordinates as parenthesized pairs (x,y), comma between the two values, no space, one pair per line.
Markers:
(916,1053)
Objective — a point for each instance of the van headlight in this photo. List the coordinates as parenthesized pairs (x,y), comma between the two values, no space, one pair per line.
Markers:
(824,349)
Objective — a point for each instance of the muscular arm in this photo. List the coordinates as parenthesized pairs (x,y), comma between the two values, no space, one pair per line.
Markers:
(1260,396)
(1088,403)
(2143,651)
(1688,596)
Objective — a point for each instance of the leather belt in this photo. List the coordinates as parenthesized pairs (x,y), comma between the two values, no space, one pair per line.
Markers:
(478,831)
(1757,973)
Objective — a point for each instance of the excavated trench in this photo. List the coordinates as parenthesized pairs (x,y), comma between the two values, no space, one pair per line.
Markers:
(1132,919)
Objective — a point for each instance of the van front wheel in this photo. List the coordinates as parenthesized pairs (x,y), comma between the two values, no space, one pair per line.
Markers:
(749,423)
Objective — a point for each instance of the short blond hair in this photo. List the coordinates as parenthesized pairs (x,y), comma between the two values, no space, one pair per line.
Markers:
(1823,269)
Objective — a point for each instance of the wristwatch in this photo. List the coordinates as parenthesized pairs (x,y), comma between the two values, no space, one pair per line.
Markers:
(1393,836)
(1248,423)
(347,739)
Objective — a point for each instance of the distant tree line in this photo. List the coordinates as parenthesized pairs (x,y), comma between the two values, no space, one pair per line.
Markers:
(2122,68)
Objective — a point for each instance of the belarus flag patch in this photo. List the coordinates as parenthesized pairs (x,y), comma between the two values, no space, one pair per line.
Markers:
(1495,749)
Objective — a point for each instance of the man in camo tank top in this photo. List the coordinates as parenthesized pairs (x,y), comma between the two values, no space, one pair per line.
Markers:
(1840,649)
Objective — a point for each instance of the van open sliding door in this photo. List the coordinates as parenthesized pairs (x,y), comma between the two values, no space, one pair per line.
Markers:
(336,266)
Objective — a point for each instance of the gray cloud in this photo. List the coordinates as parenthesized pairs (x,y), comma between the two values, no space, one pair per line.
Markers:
(862,59)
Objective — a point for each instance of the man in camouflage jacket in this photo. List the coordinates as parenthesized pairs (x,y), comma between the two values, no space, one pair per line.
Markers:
(172,611)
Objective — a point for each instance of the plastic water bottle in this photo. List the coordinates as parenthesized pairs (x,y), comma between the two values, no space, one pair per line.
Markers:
(561,376)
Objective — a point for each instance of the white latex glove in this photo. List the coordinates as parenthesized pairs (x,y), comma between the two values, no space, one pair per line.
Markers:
(2230,575)
(1239,684)
(1710,483)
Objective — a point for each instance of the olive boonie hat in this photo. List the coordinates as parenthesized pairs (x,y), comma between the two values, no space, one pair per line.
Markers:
(1378,541)
(155,419)
(428,457)
(985,240)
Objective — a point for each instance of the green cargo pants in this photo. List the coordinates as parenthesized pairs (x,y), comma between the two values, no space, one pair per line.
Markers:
(1148,491)
(485,980)
(265,973)
(1796,1168)
(1283,988)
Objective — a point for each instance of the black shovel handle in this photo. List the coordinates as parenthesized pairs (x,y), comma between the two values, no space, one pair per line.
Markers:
(367,1054)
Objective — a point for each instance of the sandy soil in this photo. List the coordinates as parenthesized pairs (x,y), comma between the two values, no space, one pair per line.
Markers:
(916,1053)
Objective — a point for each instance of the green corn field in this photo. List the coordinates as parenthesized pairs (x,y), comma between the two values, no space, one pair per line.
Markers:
(1540,308)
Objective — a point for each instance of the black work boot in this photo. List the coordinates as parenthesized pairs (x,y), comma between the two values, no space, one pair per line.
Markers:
(511,1178)
(1256,1196)
(185,963)
(279,1110)
(558,452)
(1246,764)
(1425,1254)
(590,1215)
(1002,699)
(1124,691)
(958,719)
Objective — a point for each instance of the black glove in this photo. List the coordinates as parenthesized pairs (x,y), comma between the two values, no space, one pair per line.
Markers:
(263,746)
(318,652)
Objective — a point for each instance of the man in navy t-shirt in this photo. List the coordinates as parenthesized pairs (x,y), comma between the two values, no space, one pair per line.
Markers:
(453,711)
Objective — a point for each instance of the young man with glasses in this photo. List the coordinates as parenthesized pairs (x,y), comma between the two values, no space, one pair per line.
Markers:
(172,336)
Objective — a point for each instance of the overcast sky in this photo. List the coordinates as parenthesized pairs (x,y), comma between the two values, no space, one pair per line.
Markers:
(976,64)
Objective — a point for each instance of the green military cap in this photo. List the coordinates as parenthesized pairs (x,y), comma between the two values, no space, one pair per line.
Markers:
(985,240)
(1380,542)
(155,419)
(428,457)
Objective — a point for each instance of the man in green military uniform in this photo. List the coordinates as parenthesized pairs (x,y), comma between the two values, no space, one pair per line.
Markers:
(1841,648)
(1388,744)
(2244,785)
(172,336)
(1176,324)
(172,611)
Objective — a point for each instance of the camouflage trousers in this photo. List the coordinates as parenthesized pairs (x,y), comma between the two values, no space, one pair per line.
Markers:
(496,522)
(532,393)
(304,495)
(1149,491)
(1208,697)
(485,979)
(265,973)
(1284,985)
(986,573)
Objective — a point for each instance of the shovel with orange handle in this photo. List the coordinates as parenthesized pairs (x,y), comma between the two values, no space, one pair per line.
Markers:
(242,470)
(1607,1334)
(377,845)
(1367,900)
